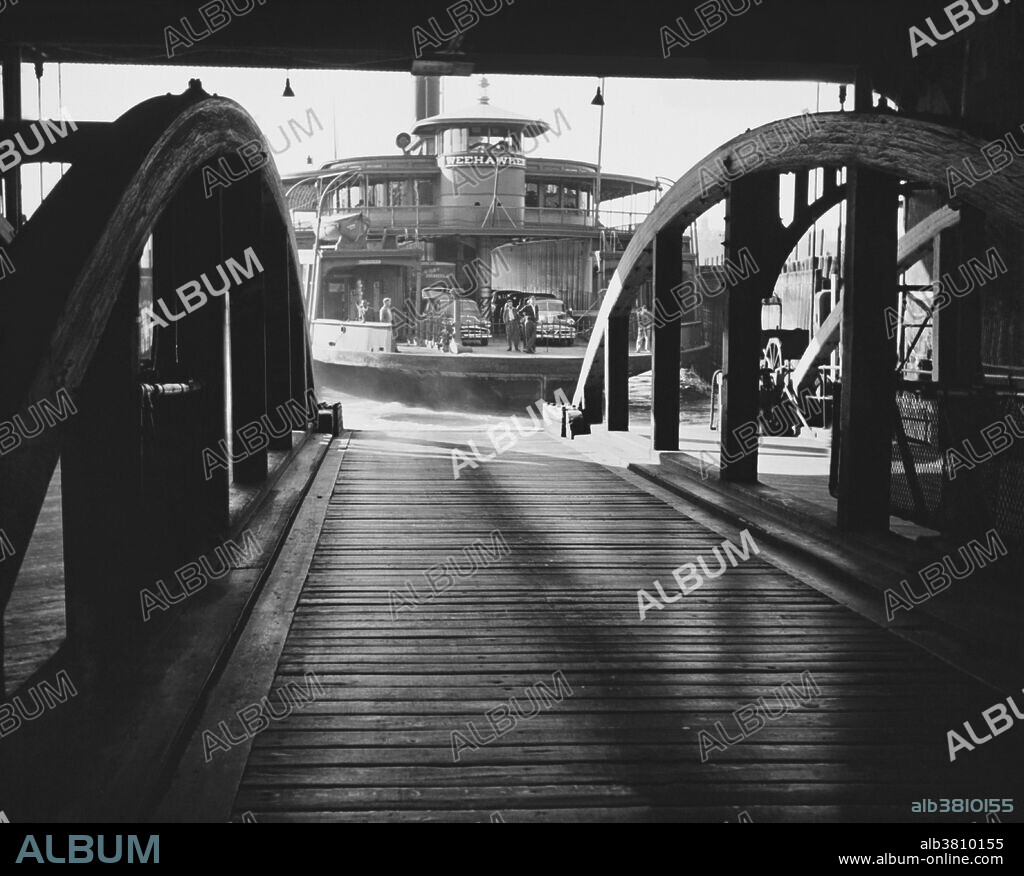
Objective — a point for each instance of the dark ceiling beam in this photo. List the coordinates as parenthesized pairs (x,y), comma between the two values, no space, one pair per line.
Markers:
(781,39)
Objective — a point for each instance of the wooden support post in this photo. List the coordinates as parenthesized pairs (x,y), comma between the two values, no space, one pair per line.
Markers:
(106,559)
(966,499)
(616,372)
(283,383)
(959,322)
(12,116)
(801,189)
(869,355)
(301,353)
(191,430)
(299,350)
(753,231)
(862,92)
(665,354)
(243,229)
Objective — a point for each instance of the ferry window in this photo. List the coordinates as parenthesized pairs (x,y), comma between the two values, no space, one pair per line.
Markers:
(455,140)
(425,192)
(517,141)
(551,195)
(570,199)
(342,199)
(400,192)
(585,200)
(532,195)
(355,197)
(376,195)
(500,137)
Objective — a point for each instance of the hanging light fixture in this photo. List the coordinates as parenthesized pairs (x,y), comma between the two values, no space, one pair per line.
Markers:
(598,98)
(288,88)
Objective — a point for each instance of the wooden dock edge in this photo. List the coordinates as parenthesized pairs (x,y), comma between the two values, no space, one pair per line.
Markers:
(140,709)
(839,573)
(200,792)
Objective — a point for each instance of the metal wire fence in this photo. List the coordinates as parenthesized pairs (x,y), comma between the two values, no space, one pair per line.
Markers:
(953,468)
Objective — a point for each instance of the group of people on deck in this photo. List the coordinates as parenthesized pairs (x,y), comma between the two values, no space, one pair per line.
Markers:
(521,325)
(365,311)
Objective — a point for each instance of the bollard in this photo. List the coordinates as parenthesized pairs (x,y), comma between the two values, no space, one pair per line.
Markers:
(329,419)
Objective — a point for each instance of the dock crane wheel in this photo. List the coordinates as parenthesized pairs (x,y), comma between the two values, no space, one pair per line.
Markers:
(773,355)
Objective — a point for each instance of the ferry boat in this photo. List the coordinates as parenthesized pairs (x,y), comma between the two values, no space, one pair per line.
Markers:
(461,210)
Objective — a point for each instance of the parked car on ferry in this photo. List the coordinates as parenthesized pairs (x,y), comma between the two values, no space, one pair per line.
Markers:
(554,325)
(475,328)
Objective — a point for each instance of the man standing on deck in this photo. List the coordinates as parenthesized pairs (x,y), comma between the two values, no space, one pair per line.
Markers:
(643,329)
(387,316)
(511,319)
(530,326)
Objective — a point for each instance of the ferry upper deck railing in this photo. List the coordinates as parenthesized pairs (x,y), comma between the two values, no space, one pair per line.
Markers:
(465,218)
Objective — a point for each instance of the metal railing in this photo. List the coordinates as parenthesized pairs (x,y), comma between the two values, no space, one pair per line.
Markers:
(459,217)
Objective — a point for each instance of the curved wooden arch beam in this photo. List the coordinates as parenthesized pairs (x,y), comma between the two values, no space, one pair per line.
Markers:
(791,236)
(920,237)
(915,150)
(65,302)
(53,311)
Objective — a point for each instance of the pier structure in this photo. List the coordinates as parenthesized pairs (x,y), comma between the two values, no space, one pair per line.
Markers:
(221,597)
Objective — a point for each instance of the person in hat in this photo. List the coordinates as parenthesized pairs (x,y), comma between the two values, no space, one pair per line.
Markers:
(511,319)
(530,326)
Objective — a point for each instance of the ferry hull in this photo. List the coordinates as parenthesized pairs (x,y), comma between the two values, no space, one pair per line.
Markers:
(468,382)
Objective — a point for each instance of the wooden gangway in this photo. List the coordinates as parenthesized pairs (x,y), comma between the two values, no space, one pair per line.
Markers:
(377,741)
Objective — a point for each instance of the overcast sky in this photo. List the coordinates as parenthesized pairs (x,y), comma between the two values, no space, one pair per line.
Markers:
(653,127)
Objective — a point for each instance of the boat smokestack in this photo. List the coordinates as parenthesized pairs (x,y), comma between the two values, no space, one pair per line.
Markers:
(428,96)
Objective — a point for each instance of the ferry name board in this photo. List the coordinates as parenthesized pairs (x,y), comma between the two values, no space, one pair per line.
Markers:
(476,159)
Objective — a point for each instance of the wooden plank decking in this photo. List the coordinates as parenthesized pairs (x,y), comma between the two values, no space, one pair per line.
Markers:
(623,746)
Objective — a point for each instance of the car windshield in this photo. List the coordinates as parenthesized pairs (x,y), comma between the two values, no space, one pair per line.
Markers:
(445,306)
(554,305)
